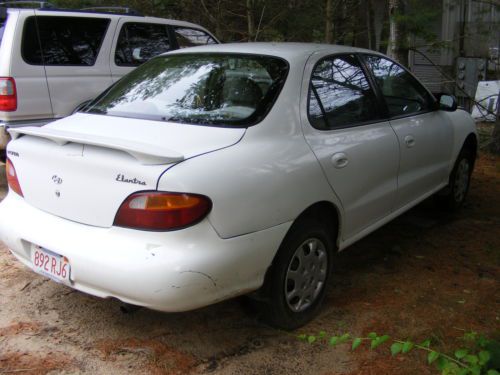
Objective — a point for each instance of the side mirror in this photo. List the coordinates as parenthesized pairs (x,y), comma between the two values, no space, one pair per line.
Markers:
(447,102)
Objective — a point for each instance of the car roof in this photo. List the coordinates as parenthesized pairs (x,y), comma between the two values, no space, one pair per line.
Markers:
(285,50)
(103,14)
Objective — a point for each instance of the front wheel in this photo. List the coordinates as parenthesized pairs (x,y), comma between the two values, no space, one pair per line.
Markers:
(296,284)
(453,196)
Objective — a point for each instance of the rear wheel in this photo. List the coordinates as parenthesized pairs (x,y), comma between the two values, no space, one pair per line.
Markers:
(453,196)
(296,284)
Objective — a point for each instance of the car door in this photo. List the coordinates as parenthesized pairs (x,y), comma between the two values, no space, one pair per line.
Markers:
(424,133)
(356,147)
(135,43)
(74,53)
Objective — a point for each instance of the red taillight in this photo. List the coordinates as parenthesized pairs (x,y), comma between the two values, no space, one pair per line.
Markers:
(162,211)
(12,178)
(8,94)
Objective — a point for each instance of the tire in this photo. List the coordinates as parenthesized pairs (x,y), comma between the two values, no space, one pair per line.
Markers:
(296,284)
(453,196)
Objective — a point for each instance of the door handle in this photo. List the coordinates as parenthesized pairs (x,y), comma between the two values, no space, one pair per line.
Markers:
(409,141)
(340,160)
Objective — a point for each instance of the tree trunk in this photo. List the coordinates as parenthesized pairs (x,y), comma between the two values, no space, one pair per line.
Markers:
(370,25)
(340,23)
(397,48)
(329,21)
(361,24)
(393,30)
(250,21)
(381,25)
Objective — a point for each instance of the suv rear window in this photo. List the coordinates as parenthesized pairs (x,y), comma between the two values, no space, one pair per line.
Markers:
(207,89)
(64,40)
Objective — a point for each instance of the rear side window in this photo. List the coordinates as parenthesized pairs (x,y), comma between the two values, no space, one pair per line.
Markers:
(403,94)
(187,37)
(73,41)
(340,95)
(139,42)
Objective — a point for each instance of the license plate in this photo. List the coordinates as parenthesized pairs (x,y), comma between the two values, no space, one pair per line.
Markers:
(50,264)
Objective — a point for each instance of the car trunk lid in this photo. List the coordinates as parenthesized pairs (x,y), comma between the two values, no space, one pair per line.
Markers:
(83,167)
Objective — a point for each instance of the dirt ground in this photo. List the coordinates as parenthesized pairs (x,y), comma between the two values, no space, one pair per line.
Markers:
(426,274)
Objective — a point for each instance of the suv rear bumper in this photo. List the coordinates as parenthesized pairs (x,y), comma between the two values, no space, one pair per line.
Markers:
(4,125)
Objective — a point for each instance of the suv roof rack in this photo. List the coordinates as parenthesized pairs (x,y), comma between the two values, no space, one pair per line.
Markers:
(114,10)
(45,5)
(37,4)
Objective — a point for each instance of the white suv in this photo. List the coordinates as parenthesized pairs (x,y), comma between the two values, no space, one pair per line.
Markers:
(53,61)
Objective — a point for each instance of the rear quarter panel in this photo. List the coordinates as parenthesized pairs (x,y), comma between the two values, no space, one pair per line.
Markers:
(257,184)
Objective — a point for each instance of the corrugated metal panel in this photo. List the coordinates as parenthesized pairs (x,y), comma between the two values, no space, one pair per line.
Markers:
(429,76)
(434,55)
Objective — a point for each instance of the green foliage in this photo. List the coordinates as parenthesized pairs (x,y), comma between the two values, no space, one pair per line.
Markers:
(472,359)
(407,346)
(432,356)
(396,348)
(355,343)
(417,17)
(461,353)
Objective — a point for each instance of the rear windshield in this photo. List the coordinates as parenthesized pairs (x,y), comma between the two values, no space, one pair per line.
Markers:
(206,89)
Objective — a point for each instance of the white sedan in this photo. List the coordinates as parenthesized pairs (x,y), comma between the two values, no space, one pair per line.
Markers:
(216,171)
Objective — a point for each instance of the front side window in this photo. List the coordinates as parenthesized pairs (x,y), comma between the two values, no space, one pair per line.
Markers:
(139,42)
(187,37)
(64,40)
(340,95)
(207,89)
(402,93)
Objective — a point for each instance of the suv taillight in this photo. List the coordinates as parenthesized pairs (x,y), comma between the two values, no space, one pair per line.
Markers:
(8,94)
(162,211)
(12,178)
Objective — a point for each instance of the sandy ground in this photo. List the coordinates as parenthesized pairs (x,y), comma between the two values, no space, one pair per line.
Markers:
(426,274)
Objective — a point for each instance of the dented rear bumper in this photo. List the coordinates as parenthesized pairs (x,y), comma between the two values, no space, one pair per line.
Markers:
(167,271)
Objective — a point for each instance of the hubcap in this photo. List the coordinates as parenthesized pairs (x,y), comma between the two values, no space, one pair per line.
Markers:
(306,274)
(461,180)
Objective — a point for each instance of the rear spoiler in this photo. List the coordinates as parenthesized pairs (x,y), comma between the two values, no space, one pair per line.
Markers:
(145,153)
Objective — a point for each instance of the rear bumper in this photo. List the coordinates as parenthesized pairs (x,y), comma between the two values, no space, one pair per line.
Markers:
(4,125)
(168,271)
